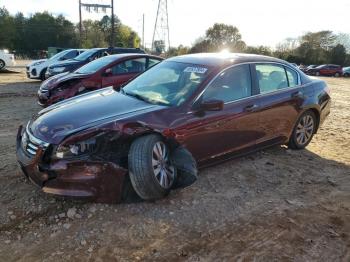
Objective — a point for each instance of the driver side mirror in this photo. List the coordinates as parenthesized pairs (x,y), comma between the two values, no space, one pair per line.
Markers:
(107,72)
(212,105)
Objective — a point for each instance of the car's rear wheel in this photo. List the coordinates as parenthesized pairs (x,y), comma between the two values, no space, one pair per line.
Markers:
(317,73)
(346,74)
(151,172)
(303,131)
(2,64)
(337,74)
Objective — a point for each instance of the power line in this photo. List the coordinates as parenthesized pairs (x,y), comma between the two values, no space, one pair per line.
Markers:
(161,27)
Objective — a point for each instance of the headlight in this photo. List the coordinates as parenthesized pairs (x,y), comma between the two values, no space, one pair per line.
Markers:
(38,63)
(58,69)
(77,149)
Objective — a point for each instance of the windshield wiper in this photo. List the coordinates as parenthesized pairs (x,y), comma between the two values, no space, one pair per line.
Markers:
(140,97)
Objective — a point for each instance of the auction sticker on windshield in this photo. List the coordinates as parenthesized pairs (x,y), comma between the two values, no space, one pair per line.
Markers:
(198,70)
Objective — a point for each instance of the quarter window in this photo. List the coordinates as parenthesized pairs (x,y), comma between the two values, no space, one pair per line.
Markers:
(271,77)
(232,84)
(292,77)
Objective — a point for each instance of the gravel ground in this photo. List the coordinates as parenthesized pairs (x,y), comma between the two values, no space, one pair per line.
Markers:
(274,205)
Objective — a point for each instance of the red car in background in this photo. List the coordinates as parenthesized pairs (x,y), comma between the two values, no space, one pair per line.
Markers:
(326,70)
(113,70)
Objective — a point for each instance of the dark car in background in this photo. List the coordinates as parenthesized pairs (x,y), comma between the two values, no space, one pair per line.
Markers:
(326,70)
(184,113)
(86,57)
(112,70)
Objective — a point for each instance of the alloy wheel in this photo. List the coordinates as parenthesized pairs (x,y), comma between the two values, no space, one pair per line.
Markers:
(305,129)
(163,170)
(2,64)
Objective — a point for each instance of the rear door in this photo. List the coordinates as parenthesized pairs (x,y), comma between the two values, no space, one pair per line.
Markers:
(281,97)
(124,71)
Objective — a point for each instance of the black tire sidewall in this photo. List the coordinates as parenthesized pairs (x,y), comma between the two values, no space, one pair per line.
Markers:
(149,188)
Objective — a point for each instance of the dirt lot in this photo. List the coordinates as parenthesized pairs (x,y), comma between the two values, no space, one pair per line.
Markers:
(274,205)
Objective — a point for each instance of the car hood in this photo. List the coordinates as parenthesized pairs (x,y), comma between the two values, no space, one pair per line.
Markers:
(69,62)
(36,61)
(56,122)
(53,81)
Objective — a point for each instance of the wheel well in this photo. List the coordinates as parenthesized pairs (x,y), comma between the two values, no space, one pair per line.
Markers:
(317,114)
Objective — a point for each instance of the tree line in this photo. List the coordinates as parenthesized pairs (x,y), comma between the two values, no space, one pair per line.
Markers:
(27,36)
(323,47)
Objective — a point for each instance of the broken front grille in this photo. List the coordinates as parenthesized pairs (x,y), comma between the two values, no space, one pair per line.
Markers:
(31,144)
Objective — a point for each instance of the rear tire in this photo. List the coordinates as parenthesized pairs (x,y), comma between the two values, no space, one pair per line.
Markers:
(317,74)
(2,64)
(151,172)
(337,74)
(346,74)
(304,131)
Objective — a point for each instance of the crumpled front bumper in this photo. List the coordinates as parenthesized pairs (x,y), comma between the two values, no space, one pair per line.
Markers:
(97,181)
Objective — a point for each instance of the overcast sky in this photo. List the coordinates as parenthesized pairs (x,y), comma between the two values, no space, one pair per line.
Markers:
(261,22)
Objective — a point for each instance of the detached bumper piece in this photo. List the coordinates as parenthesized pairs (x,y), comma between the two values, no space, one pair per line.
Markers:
(97,181)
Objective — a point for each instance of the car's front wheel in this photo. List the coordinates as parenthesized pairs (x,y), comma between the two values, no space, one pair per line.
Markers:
(317,73)
(2,64)
(151,171)
(337,74)
(303,131)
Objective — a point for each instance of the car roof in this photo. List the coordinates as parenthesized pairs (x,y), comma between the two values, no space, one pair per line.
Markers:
(221,59)
(129,55)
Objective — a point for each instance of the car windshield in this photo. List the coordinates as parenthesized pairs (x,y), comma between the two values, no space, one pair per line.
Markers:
(85,55)
(168,83)
(60,54)
(96,65)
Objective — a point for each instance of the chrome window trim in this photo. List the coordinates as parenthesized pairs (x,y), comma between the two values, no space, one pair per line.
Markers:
(251,63)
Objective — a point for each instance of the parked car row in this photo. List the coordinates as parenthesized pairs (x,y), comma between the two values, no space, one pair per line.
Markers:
(153,123)
(325,70)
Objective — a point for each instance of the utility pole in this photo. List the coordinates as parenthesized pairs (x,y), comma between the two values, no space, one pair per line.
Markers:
(96,8)
(112,37)
(143,31)
(80,25)
(161,26)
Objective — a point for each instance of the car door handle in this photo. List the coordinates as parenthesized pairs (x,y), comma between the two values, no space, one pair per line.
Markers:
(251,108)
(298,94)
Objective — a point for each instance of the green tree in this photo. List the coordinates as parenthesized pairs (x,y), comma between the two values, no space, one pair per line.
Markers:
(218,37)
(338,55)
(7,29)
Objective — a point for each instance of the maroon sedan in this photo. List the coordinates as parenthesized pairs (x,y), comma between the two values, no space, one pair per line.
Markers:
(114,70)
(326,70)
(186,112)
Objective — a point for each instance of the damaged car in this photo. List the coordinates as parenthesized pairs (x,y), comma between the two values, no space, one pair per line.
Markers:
(112,70)
(183,114)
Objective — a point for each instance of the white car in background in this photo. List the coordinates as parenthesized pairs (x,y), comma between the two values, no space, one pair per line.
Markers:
(37,68)
(6,59)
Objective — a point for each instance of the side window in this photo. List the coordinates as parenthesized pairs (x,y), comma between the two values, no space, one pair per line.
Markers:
(271,77)
(130,66)
(152,62)
(292,77)
(232,84)
(70,55)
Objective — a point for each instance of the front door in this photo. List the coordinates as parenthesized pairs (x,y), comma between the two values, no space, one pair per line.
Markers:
(123,72)
(212,134)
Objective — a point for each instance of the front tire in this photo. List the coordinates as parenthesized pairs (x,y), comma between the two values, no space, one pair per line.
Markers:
(304,130)
(2,64)
(337,74)
(42,74)
(151,172)
(317,73)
